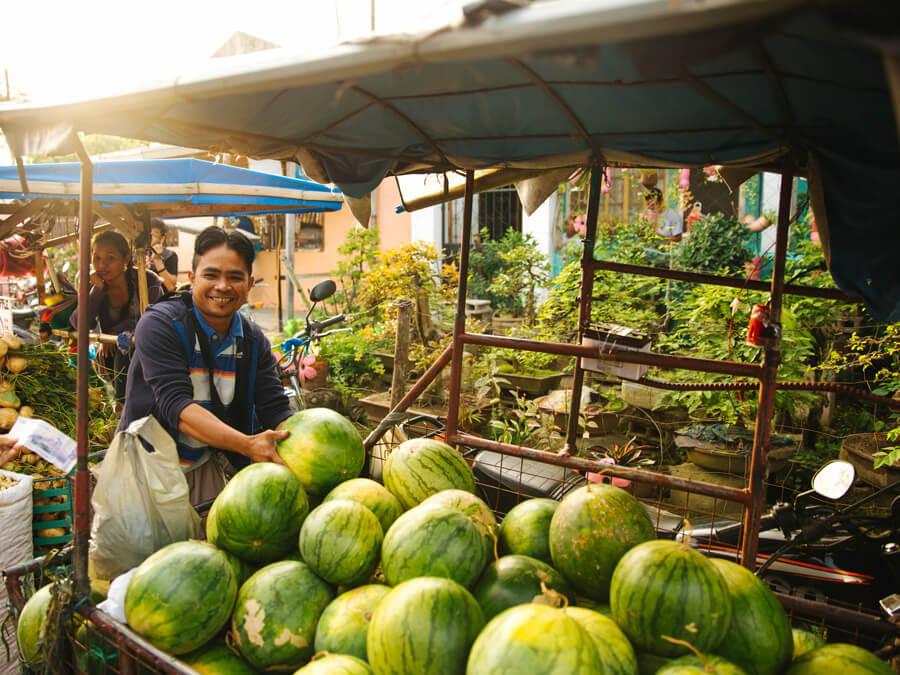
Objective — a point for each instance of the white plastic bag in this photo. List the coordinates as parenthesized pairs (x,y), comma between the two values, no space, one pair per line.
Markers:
(15,524)
(141,501)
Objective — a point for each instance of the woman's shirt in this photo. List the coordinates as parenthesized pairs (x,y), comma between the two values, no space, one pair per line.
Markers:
(119,320)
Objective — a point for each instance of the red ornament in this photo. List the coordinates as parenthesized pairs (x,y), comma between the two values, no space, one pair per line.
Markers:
(758,329)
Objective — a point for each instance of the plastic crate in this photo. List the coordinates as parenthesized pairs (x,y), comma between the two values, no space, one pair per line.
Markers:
(50,490)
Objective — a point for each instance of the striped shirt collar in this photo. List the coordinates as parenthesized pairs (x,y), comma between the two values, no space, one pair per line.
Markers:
(235,331)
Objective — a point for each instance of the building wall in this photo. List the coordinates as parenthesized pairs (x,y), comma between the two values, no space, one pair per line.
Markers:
(313,266)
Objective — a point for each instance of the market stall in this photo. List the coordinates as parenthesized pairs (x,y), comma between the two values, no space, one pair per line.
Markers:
(780,86)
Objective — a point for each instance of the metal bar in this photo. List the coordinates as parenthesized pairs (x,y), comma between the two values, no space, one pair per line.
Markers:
(778,92)
(580,464)
(729,106)
(767,387)
(408,121)
(414,392)
(718,280)
(130,642)
(617,355)
(459,323)
(82,499)
(870,623)
(584,308)
(143,290)
(560,104)
(23,180)
(291,276)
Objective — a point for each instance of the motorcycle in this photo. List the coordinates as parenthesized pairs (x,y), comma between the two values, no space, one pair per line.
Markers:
(297,347)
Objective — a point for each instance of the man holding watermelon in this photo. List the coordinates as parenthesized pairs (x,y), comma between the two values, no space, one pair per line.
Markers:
(206,373)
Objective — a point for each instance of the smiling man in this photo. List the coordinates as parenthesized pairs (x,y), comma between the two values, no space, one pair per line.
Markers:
(207,374)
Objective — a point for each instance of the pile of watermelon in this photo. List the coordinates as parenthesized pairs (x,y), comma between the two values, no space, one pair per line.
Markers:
(310,568)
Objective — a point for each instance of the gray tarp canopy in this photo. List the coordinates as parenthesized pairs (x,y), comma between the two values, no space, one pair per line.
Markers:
(773,84)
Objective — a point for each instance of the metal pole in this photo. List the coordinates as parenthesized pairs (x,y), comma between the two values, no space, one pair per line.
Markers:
(459,324)
(290,224)
(82,506)
(756,484)
(584,309)
(278,301)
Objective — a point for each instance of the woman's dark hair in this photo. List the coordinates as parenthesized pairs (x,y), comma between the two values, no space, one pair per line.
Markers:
(115,241)
(214,236)
(159,224)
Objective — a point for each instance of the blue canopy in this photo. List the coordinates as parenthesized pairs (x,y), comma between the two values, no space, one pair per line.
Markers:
(167,185)
(804,85)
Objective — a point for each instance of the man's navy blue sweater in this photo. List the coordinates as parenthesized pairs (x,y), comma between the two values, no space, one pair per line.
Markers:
(159,382)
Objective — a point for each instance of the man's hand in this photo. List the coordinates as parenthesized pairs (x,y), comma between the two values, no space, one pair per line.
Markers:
(9,449)
(96,281)
(261,447)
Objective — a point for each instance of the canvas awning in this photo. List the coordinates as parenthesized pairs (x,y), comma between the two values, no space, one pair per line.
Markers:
(562,84)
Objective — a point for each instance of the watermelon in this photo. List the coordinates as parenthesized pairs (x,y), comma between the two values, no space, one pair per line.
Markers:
(241,568)
(838,658)
(664,589)
(805,641)
(30,626)
(534,639)
(433,541)
(649,663)
(274,620)
(258,513)
(94,655)
(335,664)
(697,665)
(181,596)
(613,648)
(424,626)
(475,509)
(344,624)
(587,603)
(323,450)
(591,530)
(516,580)
(421,467)
(759,639)
(341,542)
(217,659)
(526,529)
(374,496)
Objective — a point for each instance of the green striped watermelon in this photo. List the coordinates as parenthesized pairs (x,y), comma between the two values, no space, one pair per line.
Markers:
(537,640)
(591,530)
(323,450)
(805,641)
(516,580)
(421,467)
(30,627)
(374,496)
(587,603)
(424,626)
(664,589)
(759,639)
(341,542)
(526,529)
(216,658)
(433,541)
(344,624)
(700,665)
(613,648)
(649,663)
(181,596)
(335,664)
(258,513)
(274,620)
(241,568)
(839,658)
(475,509)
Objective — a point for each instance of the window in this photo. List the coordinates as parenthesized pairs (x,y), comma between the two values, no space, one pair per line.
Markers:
(496,210)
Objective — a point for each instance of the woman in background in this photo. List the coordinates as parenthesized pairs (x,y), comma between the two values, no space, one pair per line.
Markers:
(114,304)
